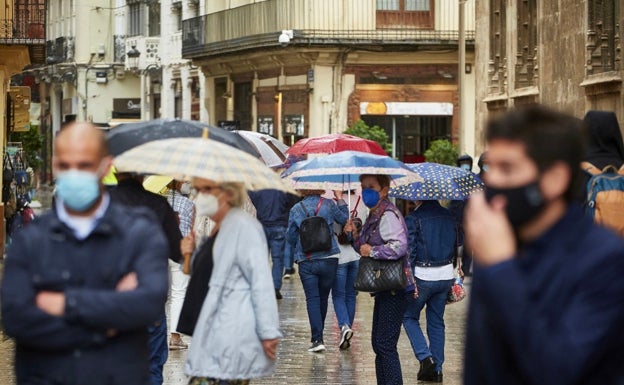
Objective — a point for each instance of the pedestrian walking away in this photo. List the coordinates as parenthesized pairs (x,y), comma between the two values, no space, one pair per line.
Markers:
(83,282)
(317,269)
(384,236)
(432,234)
(343,291)
(272,210)
(546,302)
(130,192)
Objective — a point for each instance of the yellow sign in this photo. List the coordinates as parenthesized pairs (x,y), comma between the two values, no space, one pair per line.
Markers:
(20,109)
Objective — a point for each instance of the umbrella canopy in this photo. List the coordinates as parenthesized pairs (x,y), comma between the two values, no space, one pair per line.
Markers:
(329,144)
(342,170)
(439,182)
(272,151)
(201,158)
(128,135)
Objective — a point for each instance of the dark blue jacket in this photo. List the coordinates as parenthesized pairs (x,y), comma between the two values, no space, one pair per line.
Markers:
(552,315)
(432,235)
(74,349)
(272,206)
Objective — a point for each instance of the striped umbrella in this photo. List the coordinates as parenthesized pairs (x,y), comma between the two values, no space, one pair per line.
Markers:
(201,158)
(341,171)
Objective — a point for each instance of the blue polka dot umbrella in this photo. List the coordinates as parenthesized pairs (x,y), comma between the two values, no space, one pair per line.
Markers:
(440,182)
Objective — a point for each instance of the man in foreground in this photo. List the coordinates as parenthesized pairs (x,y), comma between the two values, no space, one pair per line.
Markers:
(83,282)
(547,301)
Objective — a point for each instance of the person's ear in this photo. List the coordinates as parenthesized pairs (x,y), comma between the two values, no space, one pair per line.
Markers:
(105,165)
(555,181)
(384,192)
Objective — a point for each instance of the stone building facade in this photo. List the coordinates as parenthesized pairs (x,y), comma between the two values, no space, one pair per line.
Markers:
(565,54)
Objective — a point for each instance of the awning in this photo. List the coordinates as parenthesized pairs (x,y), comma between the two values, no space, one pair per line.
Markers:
(115,122)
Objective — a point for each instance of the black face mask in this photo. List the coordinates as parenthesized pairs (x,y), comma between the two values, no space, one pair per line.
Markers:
(523,203)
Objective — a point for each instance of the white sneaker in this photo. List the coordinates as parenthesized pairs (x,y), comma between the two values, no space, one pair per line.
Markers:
(345,336)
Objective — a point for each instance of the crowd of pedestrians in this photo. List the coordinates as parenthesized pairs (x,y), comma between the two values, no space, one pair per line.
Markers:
(85,285)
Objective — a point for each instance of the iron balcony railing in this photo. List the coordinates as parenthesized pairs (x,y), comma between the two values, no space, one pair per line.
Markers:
(323,22)
(22,32)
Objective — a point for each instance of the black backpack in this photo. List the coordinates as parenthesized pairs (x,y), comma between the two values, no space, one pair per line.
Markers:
(314,232)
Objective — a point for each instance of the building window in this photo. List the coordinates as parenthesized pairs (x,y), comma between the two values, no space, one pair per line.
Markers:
(405,14)
(498,30)
(526,53)
(602,36)
(136,19)
(154,18)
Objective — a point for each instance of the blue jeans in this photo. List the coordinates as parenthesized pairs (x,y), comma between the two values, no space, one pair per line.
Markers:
(387,318)
(317,277)
(433,294)
(343,293)
(276,238)
(159,352)
(289,258)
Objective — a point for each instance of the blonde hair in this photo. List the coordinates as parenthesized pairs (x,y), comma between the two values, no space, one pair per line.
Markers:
(236,191)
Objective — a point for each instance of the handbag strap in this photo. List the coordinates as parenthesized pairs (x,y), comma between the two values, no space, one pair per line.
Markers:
(354,211)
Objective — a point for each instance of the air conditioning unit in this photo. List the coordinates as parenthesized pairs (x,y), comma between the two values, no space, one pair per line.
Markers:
(120,74)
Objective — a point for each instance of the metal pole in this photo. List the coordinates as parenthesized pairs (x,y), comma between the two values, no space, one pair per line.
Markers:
(461,78)
(394,141)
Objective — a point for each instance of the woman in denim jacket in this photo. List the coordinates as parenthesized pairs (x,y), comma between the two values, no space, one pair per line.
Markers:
(384,236)
(317,269)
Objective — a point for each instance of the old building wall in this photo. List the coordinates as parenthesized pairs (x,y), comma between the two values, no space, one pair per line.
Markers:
(562,40)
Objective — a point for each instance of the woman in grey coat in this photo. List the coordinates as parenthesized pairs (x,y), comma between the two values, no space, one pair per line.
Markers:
(237,332)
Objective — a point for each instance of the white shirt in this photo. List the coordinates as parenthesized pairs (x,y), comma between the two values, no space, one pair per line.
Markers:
(82,226)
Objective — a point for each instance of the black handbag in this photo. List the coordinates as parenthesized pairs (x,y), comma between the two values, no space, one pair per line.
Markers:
(377,275)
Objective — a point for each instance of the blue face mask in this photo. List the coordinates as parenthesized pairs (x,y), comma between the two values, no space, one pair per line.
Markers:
(370,197)
(465,167)
(78,189)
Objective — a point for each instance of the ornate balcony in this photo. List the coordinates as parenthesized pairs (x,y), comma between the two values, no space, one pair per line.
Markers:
(319,22)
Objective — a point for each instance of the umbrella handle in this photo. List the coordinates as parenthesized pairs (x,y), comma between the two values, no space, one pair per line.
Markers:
(186,267)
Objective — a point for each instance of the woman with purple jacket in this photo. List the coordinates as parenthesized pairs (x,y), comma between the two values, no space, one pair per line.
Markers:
(384,236)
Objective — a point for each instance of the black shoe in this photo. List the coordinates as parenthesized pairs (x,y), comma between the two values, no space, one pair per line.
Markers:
(436,377)
(278,295)
(317,347)
(427,369)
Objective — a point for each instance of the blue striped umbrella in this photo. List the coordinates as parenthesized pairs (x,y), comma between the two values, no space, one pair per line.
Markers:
(440,182)
(341,171)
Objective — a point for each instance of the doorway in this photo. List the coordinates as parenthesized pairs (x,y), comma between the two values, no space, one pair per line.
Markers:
(414,133)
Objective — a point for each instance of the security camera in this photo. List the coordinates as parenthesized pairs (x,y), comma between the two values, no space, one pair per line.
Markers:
(285,37)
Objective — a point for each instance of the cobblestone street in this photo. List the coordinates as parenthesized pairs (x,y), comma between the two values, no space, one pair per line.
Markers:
(295,365)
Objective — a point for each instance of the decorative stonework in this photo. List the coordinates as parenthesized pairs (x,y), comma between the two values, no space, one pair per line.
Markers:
(497,65)
(526,53)
(603,39)
(120,48)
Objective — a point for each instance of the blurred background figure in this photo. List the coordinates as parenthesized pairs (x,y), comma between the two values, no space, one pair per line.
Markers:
(483,165)
(185,210)
(272,210)
(130,192)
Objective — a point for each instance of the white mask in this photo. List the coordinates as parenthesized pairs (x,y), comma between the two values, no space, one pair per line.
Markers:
(185,189)
(206,204)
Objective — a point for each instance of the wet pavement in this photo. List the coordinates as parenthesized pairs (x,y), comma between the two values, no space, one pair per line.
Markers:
(295,365)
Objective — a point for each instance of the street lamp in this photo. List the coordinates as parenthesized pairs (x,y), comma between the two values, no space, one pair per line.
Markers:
(132,58)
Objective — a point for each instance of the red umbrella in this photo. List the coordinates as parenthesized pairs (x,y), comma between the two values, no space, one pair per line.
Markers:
(329,144)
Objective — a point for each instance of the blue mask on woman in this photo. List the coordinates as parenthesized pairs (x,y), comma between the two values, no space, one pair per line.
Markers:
(78,189)
(370,197)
